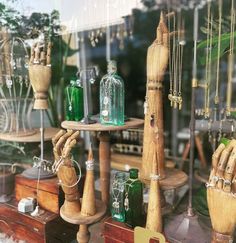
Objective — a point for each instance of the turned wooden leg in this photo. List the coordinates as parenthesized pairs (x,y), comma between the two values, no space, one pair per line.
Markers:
(83,234)
(105,165)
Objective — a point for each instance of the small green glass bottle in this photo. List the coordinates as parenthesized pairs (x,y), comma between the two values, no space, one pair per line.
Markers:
(117,197)
(74,101)
(112,97)
(133,200)
(78,101)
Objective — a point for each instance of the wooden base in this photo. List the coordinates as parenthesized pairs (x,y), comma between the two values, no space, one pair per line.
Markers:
(174,178)
(80,219)
(49,132)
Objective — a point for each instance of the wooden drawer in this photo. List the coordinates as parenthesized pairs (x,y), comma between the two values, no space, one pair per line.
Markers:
(47,228)
(48,193)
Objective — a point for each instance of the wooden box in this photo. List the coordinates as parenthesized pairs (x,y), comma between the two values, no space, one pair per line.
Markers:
(116,232)
(48,192)
(46,228)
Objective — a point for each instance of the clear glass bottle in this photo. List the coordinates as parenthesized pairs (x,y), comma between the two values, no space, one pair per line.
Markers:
(134,200)
(117,197)
(112,97)
(74,101)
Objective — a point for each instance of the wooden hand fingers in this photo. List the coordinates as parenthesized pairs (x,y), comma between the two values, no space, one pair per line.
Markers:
(39,54)
(215,159)
(75,136)
(62,141)
(234,183)
(223,163)
(49,48)
(229,171)
(57,136)
(67,149)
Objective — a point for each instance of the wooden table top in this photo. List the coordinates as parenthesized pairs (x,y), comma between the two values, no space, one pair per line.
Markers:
(73,125)
(49,133)
(80,219)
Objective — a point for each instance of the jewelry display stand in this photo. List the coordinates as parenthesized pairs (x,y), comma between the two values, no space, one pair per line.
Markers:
(184,227)
(38,171)
(104,147)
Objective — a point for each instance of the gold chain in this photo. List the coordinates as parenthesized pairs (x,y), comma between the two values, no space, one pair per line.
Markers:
(218,55)
(206,109)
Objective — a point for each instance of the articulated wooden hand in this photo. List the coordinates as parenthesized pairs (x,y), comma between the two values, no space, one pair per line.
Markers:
(221,193)
(40,74)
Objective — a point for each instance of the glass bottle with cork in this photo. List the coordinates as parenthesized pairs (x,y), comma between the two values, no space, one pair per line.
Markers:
(112,97)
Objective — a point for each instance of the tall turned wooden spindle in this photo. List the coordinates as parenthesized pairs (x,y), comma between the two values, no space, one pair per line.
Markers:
(88,201)
(157,61)
(104,162)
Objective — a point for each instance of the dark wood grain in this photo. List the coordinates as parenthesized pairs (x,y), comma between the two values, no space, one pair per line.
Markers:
(46,228)
(48,193)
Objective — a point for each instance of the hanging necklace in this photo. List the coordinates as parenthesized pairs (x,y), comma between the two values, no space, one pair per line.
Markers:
(69,96)
(117,186)
(126,201)
(230,61)
(175,63)
(216,99)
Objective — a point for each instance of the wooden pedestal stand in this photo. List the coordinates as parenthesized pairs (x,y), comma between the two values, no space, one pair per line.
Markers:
(83,234)
(104,160)
(104,147)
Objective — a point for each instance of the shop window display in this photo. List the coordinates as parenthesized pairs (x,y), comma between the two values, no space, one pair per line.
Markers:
(92,90)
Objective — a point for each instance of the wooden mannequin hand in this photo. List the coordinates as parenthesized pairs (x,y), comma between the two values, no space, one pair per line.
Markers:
(221,193)
(40,74)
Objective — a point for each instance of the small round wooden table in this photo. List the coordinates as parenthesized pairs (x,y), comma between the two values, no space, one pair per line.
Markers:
(49,133)
(104,147)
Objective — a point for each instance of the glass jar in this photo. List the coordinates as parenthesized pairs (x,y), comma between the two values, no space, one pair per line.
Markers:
(112,97)
(117,197)
(74,101)
(134,200)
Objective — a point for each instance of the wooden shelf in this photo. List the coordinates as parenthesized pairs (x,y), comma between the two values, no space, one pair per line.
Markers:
(49,133)
(174,178)
(80,219)
(131,123)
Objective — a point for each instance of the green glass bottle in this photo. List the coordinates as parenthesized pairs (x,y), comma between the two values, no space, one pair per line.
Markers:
(78,101)
(74,101)
(134,200)
(117,197)
(112,97)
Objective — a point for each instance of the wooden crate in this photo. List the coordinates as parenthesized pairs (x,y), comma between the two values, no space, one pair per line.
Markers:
(46,228)
(48,193)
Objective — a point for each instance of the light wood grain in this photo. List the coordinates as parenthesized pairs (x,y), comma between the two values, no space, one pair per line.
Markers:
(49,133)
(80,219)
(131,123)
